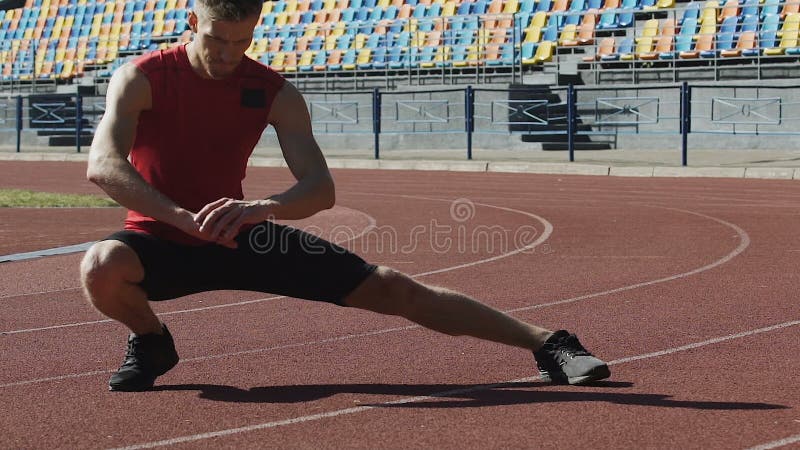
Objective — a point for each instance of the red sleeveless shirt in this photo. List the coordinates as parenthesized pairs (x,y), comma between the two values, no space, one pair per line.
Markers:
(194,143)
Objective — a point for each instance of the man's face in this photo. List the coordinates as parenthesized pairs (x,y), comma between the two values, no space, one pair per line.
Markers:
(218,44)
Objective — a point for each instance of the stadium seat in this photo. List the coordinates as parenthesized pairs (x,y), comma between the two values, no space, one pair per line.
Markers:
(788,35)
(663,44)
(746,41)
(703,43)
(604,48)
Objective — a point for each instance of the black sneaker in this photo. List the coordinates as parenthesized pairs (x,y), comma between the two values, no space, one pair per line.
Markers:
(563,360)
(148,356)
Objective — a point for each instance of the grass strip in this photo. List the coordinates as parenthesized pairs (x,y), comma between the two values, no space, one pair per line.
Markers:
(20,198)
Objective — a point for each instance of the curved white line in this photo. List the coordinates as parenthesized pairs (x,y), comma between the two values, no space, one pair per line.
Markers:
(483,387)
(548,230)
(372,223)
(745,242)
(779,443)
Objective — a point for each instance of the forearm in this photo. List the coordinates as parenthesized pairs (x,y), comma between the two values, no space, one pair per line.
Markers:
(306,198)
(120,180)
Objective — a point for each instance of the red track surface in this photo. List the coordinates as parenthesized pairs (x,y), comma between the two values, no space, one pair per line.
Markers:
(688,287)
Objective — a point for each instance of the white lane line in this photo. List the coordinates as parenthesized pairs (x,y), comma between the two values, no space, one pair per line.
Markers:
(359,409)
(26,294)
(372,223)
(548,230)
(65,250)
(221,356)
(744,242)
(167,313)
(779,443)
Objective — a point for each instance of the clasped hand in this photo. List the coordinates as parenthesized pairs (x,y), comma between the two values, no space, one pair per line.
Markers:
(220,221)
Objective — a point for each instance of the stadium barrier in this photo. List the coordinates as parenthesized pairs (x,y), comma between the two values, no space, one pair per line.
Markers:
(569,116)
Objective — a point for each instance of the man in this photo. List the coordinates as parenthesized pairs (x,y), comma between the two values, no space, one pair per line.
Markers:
(188,118)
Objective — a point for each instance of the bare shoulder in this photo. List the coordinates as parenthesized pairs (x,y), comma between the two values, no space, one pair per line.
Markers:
(129,89)
(289,108)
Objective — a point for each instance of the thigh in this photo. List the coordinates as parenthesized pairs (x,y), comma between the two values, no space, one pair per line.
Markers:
(284,260)
(171,270)
(270,258)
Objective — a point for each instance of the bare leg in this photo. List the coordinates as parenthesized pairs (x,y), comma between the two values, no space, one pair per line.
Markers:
(110,272)
(390,292)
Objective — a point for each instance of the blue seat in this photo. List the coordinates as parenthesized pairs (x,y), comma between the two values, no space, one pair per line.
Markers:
(527,6)
(401,61)
(647,4)
(625,47)
(479,7)
(769,8)
(724,38)
(608,20)
(320,58)
(349,57)
(392,55)
(749,8)
(378,61)
(543,5)
(348,14)
(288,44)
(506,56)
(683,43)
(376,14)
(692,11)
(749,23)
(767,36)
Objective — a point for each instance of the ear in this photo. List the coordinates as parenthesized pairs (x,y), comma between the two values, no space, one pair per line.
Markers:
(193,21)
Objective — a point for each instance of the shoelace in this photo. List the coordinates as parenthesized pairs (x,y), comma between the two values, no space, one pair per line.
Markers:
(570,346)
(133,352)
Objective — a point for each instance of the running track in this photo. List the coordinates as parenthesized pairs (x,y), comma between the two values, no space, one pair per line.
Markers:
(688,287)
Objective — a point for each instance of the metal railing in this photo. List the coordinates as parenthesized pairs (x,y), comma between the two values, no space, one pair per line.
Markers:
(571,114)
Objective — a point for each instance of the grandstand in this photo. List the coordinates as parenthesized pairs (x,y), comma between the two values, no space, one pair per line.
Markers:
(64,40)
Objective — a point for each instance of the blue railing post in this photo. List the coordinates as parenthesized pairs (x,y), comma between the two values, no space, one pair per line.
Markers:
(376,120)
(686,121)
(19,123)
(78,120)
(469,117)
(571,121)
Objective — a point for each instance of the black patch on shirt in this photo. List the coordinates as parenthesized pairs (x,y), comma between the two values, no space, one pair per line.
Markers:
(254,98)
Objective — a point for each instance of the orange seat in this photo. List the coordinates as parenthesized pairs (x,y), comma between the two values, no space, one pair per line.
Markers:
(731,8)
(605,48)
(704,43)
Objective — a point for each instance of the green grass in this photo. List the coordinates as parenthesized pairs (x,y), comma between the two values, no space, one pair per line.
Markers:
(18,198)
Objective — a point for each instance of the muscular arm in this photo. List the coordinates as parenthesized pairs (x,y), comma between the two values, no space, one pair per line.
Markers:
(128,95)
(314,190)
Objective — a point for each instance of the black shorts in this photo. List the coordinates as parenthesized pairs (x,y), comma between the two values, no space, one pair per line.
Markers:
(270,258)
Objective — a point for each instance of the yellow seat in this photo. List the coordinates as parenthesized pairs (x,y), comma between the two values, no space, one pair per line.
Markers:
(544,52)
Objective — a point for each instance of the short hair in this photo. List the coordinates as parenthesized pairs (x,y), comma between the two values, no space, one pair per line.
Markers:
(229,10)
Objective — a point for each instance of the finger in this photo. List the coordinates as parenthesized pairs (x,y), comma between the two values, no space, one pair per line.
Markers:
(201,216)
(233,229)
(224,222)
(213,217)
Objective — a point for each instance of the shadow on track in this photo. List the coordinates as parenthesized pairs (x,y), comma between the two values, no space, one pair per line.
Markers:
(457,395)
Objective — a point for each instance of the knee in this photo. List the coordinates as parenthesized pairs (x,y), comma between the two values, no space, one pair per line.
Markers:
(389,292)
(107,264)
